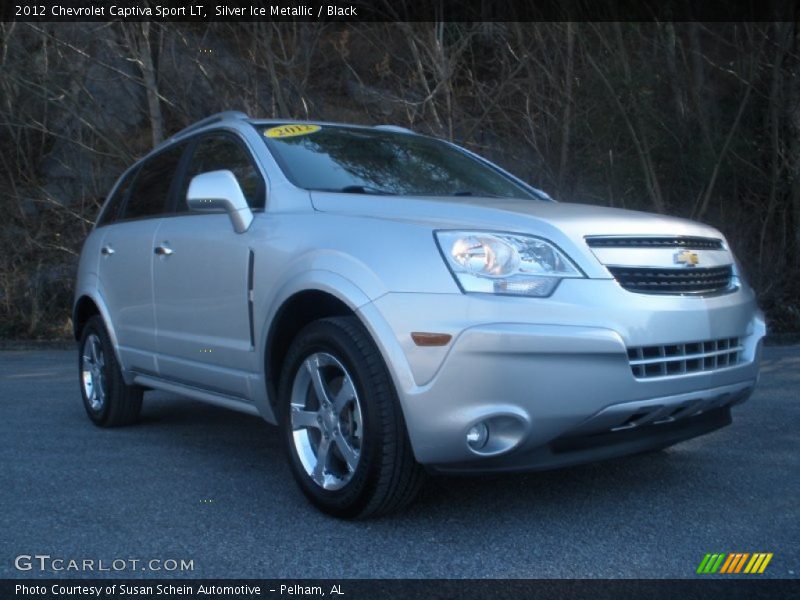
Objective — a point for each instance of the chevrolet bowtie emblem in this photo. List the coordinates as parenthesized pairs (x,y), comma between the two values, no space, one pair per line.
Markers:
(687,257)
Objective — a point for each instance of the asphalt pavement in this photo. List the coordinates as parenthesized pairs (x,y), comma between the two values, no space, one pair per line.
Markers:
(198,483)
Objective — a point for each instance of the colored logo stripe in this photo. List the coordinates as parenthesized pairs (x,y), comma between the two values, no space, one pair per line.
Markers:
(758,563)
(734,563)
(710,563)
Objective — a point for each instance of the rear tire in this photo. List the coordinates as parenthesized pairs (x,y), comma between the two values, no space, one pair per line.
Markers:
(342,425)
(108,400)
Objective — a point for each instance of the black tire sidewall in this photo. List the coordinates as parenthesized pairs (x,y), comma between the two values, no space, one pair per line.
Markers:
(96,326)
(326,336)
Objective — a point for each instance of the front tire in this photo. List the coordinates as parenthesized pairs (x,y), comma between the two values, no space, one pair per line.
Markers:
(108,400)
(342,425)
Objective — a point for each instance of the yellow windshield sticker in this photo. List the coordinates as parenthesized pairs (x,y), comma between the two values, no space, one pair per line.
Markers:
(283,131)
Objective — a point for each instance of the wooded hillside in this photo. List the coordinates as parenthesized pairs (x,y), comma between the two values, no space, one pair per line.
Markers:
(689,119)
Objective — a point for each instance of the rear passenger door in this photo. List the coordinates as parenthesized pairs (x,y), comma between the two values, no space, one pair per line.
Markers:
(130,222)
(203,311)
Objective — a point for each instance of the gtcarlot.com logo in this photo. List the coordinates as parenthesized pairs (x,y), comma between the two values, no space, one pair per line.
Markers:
(735,562)
(48,563)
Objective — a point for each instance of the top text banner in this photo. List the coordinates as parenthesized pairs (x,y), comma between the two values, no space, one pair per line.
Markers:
(398,10)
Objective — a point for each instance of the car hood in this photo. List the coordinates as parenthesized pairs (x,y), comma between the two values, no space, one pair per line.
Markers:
(556,219)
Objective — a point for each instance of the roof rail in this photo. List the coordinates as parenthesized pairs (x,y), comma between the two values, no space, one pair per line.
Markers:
(396,128)
(215,118)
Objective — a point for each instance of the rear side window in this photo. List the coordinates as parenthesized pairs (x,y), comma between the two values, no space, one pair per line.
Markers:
(150,192)
(217,152)
(112,209)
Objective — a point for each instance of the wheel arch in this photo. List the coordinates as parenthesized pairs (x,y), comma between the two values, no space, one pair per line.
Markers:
(86,306)
(337,295)
(295,311)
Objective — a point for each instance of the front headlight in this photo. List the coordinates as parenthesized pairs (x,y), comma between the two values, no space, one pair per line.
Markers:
(504,263)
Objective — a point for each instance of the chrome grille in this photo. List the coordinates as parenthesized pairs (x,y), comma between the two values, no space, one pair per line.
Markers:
(699,243)
(679,359)
(692,280)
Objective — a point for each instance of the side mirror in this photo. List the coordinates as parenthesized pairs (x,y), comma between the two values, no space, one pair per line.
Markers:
(216,192)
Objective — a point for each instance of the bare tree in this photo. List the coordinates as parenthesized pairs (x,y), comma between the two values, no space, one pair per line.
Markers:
(144,53)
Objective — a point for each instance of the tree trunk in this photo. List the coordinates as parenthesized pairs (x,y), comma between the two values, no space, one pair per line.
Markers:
(567,115)
(793,120)
(140,44)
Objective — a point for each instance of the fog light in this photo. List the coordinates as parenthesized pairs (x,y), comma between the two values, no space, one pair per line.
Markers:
(477,436)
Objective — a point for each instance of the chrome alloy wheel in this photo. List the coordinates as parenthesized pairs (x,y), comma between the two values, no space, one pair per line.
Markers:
(93,363)
(327,426)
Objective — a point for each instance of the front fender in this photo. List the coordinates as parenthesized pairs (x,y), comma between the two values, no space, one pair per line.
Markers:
(329,282)
(355,297)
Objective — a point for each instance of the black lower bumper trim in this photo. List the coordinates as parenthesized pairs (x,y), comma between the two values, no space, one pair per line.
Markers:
(569,451)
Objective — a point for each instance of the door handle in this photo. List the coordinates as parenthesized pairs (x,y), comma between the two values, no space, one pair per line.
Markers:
(163,250)
(106,251)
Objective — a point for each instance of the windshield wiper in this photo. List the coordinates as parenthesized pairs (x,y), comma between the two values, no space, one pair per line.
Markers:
(471,193)
(360,189)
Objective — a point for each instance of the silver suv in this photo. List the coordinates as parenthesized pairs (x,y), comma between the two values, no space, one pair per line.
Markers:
(398,304)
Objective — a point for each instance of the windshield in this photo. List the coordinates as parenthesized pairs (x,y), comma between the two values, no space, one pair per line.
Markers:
(370,161)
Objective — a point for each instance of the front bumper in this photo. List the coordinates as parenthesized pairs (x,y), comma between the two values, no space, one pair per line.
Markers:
(553,377)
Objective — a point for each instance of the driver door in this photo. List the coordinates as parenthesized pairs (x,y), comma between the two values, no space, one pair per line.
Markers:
(202,277)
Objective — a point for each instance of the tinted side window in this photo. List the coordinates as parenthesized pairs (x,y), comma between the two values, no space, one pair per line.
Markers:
(218,152)
(151,187)
(111,211)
